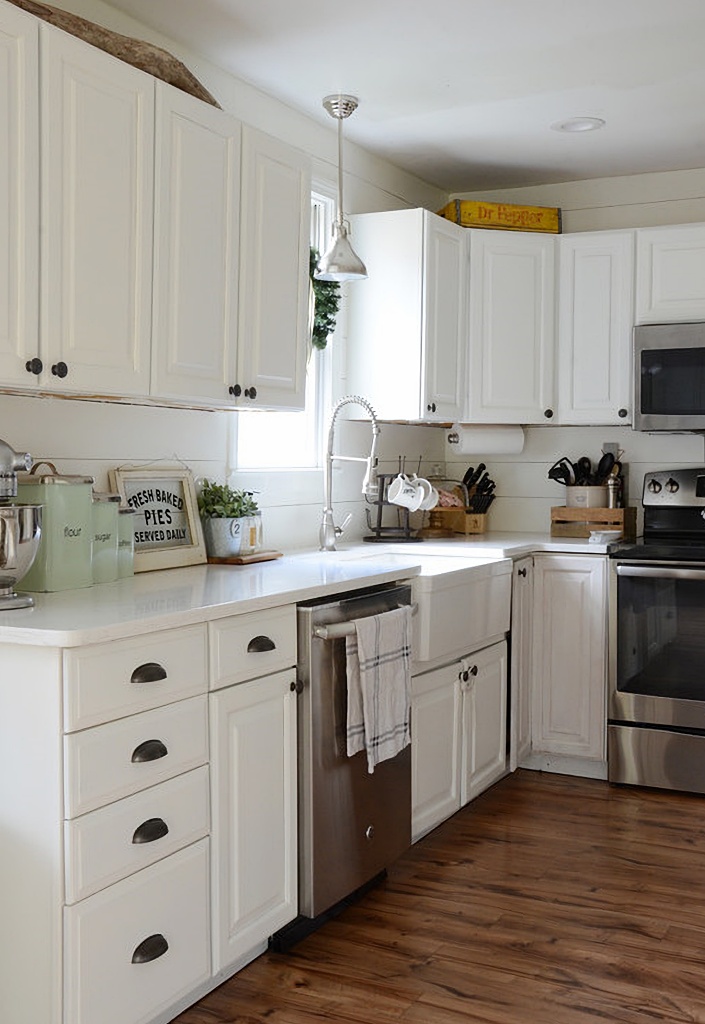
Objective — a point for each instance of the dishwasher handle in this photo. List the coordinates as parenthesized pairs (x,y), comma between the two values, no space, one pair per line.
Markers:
(337,630)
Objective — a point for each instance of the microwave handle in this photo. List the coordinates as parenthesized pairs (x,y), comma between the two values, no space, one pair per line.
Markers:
(661,572)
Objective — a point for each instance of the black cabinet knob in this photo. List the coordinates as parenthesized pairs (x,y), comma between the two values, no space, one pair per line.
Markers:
(473,670)
(235,390)
(431,407)
(34,366)
(60,369)
(548,413)
(623,413)
(297,687)
(250,392)
(521,572)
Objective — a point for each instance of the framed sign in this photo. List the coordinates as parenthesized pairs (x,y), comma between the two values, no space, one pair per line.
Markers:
(167,526)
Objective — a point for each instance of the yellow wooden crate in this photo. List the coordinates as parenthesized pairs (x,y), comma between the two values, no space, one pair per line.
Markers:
(580,522)
(470,213)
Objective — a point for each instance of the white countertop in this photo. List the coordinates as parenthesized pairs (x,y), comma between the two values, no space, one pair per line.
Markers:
(176,597)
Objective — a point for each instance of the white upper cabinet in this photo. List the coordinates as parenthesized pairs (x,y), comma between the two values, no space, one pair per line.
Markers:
(407,321)
(511,346)
(19,196)
(670,281)
(98,181)
(595,319)
(274,273)
(196,265)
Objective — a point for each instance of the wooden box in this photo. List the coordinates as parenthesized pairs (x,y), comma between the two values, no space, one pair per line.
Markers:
(470,213)
(445,521)
(580,522)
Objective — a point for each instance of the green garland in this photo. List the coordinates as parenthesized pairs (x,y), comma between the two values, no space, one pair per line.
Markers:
(326,305)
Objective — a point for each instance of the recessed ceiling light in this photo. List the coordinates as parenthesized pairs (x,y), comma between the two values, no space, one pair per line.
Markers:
(578,124)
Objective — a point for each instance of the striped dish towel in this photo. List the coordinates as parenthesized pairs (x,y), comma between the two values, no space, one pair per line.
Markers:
(378,666)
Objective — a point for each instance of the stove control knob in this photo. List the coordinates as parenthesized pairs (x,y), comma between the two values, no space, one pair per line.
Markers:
(672,485)
(654,486)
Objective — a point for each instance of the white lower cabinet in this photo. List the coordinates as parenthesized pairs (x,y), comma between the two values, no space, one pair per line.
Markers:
(459,734)
(253,778)
(151,832)
(569,664)
(134,949)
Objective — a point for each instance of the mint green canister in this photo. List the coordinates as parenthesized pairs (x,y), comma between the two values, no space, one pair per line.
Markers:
(63,560)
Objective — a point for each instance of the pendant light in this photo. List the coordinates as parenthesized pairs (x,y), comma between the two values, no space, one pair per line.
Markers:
(340,262)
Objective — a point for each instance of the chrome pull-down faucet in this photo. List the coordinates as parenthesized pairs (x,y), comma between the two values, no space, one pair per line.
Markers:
(329,532)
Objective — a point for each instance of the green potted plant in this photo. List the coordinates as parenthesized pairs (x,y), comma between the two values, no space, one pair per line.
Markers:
(231,518)
(326,303)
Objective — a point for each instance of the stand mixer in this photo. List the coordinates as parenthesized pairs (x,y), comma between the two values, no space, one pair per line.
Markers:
(20,529)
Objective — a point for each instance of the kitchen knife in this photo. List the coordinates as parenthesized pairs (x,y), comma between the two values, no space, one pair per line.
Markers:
(476,475)
(468,474)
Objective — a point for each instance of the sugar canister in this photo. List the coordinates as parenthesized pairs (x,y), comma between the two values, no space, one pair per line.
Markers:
(104,555)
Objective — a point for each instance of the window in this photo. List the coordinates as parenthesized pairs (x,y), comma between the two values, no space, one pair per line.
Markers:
(293,440)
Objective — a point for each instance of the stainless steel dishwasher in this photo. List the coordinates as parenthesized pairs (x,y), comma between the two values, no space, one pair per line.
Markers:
(352,824)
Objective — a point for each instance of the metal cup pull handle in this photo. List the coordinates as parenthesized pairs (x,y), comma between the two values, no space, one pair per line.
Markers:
(150,750)
(261,644)
(150,830)
(150,949)
(150,672)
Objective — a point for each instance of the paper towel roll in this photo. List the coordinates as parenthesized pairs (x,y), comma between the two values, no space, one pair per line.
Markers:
(484,439)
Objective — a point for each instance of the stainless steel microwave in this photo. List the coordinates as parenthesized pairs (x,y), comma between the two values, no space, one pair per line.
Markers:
(669,377)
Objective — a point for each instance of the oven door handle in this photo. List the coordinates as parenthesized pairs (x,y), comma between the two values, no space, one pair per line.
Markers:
(662,572)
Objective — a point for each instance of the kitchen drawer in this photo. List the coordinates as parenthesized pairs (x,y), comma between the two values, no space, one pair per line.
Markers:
(252,645)
(113,842)
(108,681)
(163,910)
(120,758)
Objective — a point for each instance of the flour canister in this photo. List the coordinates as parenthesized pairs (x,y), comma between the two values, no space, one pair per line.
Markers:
(63,560)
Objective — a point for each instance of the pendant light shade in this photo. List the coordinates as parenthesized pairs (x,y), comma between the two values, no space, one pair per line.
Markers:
(340,262)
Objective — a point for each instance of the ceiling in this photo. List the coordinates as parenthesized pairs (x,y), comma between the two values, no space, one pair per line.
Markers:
(462,93)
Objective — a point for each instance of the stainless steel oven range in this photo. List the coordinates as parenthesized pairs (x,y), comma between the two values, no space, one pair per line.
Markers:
(656,711)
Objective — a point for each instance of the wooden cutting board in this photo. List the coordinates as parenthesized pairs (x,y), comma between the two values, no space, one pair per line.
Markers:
(256,556)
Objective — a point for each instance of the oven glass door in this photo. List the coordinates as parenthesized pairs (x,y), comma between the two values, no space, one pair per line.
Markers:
(658,656)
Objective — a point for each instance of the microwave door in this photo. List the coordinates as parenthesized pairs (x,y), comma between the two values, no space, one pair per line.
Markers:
(669,377)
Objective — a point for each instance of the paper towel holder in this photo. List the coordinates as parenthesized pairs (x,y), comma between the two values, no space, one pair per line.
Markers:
(486,438)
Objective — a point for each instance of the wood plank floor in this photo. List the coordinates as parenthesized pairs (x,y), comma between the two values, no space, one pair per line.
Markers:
(548,900)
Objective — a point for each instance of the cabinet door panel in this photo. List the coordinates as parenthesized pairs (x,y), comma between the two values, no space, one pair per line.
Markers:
(98,162)
(435,748)
(19,195)
(484,720)
(670,282)
(445,327)
(511,327)
(569,655)
(197,204)
(520,665)
(253,777)
(274,280)
(595,327)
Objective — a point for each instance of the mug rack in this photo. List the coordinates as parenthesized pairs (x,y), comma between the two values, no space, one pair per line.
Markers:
(378,531)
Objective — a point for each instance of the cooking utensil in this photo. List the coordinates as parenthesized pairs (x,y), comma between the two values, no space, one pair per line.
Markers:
(562,472)
(604,468)
(468,475)
(583,472)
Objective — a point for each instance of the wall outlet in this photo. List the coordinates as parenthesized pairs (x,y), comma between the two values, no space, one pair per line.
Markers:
(611,448)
